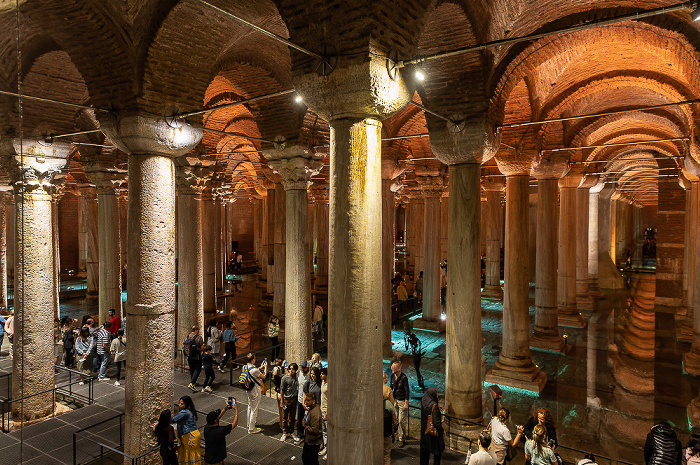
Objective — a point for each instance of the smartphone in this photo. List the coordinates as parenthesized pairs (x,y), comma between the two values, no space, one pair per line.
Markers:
(265,361)
(231,402)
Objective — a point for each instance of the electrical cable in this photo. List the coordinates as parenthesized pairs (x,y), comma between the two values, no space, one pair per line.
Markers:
(48,100)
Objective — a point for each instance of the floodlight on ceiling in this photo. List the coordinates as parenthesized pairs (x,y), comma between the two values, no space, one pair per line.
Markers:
(298,99)
(419,74)
(695,14)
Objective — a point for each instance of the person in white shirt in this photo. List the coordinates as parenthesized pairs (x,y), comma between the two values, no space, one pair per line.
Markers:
(500,435)
(255,393)
(484,456)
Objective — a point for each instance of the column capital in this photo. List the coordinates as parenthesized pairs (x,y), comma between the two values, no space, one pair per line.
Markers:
(549,167)
(493,183)
(431,186)
(464,140)
(683,181)
(571,181)
(87,191)
(142,134)
(320,194)
(692,166)
(106,182)
(191,180)
(33,164)
(515,162)
(589,181)
(392,168)
(295,165)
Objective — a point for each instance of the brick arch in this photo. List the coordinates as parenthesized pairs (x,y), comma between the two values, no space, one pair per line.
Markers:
(608,127)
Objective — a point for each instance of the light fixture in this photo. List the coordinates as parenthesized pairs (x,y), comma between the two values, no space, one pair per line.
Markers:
(695,14)
(298,99)
(419,74)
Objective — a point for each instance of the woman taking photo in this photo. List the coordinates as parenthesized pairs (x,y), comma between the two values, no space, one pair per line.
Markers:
(273,331)
(500,435)
(165,434)
(432,436)
(190,452)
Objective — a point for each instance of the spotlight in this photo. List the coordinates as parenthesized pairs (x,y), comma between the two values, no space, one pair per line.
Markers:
(298,99)
(420,75)
(695,14)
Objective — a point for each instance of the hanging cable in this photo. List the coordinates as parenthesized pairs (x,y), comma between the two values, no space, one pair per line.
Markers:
(56,102)
(617,144)
(216,131)
(233,104)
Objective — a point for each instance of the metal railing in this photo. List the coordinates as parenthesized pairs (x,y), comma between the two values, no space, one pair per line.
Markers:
(6,385)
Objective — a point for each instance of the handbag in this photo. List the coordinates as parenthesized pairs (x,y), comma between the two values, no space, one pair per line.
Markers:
(430,429)
(511,452)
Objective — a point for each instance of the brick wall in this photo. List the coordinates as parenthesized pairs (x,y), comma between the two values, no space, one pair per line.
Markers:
(670,226)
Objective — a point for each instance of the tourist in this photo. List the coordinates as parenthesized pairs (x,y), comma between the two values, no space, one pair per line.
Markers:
(483,456)
(390,422)
(2,329)
(229,339)
(431,444)
(589,459)
(193,350)
(317,321)
(277,374)
(386,389)
(399,386)
(313,430)
(418,291)
(542,417)
(83,349)
(190,452)
(115,323)
(313,384)
(662,446)
(316,361)
(9,328)
(215,435)
(500,435)
(208,364)
(256,392)
(273,331)
(214,340)
(324,411)
(165,435)
(289,388)
(302,377)
(102,359)
(537,451)
(118,348)
(68,339)
(691,454)
(401,292)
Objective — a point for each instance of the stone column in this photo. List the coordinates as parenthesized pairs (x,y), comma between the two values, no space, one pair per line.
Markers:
(31,172)
(271,211)
(10,213)
(296,166)
(566,263)
(92,241)
(263,233)
(410,231)
(684,321)
(593,218)
(432,188)
(691,360)
(321,201)
(218,257)
(150,308)
(190,287)
(514,366)
(55,198)
(444,215)
(390,170)
(280,274)
(583,297)
(257,235)
(82,232)
(419,246)
(493,187)
(123,227)
(546,334)
(208,238)
(107,185)
(3,249)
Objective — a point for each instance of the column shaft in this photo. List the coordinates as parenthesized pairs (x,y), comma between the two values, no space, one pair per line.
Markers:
(322,247)
(593,198)
(56,259)
(110,254)
(263,236)
(271,215)
(279,275)
(583,298)
(218,260)
(431,277)
(388,210)
(566,264)
(93,240)
(3,253)
(208,254)
(419,248)
(190,287)
(492,286)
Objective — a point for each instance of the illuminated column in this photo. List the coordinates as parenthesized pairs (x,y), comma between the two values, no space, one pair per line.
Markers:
(257,220)
(218,233)
(583,296)
(494,187)
(390,170)
(263,233)
(566,262)
(514,366)
(271,209)
(691,360)
(684,326)
(31,173)
(208,251)
(546,332)
(279,274)
(150,308)
(296,166)
(107,185)
(321,202)
(3,248)
(55,198)
(91,221)
(432,188)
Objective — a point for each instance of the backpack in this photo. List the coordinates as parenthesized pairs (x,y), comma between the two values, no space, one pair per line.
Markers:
(190,346)
(67,343)
(209,331)
(246,380)
(388,423)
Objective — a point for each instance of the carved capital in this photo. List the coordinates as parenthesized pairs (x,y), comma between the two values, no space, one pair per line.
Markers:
(295,165)
(33,164)
(106,182)
(191,180)
(431,186)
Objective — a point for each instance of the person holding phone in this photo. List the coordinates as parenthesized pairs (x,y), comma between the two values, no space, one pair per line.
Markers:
(215,435)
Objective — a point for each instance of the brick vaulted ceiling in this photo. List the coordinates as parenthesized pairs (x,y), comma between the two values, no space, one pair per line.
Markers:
(161,56)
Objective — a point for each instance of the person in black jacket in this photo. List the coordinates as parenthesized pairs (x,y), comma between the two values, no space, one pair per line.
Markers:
(662,446)
(542,417)
(399,387)
(430,411)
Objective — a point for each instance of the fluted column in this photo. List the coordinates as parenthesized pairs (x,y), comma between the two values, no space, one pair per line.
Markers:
(566,260)
(150,308)
(107,185)
(494,187)
(31,175)
(432,188)
(296,166)
(321,203)
(514,366)
(280,273)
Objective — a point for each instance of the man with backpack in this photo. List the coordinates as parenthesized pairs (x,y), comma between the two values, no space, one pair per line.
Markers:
(250,380)
(193,350)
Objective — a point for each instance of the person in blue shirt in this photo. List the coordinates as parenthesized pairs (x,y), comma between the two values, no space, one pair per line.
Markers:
(229,338)
(190,438)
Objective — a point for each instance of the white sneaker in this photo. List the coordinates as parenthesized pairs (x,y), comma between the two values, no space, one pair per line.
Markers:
(103,379)
(81,383)
(325,457)
(207,389)
(117,383)
(296,440)
(284,437)
(322,451)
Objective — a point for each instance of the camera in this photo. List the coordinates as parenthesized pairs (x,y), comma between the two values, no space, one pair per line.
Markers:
(231,402)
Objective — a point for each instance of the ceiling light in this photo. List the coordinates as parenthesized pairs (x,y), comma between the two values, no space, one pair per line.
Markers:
(420,75)
(298,99)
(695,14)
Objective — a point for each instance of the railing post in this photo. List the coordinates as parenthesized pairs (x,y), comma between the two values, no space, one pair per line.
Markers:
(121,438)
(75,450)
(102,457)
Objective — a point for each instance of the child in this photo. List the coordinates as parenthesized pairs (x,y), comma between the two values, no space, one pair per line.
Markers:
(208,364)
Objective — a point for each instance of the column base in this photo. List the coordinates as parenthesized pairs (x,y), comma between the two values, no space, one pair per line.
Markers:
(571,320)
(694,413)
(420,323)
(492,292)
(549,343)
(458,434)
(691,362)
(528,378)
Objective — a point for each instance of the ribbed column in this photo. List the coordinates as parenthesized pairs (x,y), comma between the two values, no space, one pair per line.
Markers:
(492,287)
(432,188)
(279,273)
(31,175)
(150,307)
(566,260)
(296,166)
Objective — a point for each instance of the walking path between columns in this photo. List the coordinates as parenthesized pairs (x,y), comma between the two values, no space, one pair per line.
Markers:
(50,441)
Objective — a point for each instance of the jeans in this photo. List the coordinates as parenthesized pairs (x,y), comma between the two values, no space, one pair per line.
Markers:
(195,365)
(209,378)
(301,411)
(309,455)
(229,352)
(119,368)
(289,414)
(253,404)
(104,360)
(325,429)
(96,361)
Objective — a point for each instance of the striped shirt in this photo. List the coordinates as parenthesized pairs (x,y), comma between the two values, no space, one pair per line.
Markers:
(102,340)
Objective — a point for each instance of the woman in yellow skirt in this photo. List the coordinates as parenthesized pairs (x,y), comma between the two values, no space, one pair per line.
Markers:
(190,451)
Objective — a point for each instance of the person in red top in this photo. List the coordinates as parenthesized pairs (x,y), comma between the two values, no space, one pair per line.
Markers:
(114,322)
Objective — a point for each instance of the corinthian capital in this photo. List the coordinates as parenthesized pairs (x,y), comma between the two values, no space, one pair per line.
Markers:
(295,165)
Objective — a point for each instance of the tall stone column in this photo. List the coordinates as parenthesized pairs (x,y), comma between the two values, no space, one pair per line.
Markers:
(684,321)
(107,184)
(150,307)
(263,233)
(419,216)
(31,172)
(55,198)
(593,218)
(311,226)
(271,213)
(583,297)
(257,235)
(514,366)
(566,262)
(82,232)
(280,273)
(92,239)
(321,202)
(190,286)
(218,246)
(3,248)
(492,286)
(546,333)
(208,258)
(296,166)
(410,232)
(123,227)
(432,188)
(691,360)
(10,213)
(390,170)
